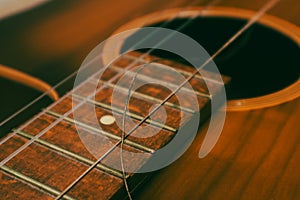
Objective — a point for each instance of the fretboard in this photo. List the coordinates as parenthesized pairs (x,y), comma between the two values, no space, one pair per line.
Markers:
(58,156)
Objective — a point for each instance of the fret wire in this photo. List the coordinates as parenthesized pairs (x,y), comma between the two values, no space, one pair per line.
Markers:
(61,195)
(107,134)
(51,191)
(181,71)
(71,154)
(250,22)
(146,78)
(135,116)
(145,96)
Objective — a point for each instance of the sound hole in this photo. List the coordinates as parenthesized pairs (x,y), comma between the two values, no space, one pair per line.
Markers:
(260,62)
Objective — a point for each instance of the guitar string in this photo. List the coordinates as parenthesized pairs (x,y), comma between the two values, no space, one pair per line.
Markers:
(250,22)
(123,125)
(16,152)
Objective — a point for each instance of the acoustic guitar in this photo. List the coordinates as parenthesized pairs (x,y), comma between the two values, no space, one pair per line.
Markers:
(140,122)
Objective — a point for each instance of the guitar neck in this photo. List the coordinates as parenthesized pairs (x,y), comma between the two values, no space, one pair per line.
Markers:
(65,143)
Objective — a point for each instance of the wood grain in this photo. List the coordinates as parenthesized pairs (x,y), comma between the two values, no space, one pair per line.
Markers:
(11,188)
(255,158)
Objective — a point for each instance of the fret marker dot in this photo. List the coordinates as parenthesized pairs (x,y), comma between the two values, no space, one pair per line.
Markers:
(107,120)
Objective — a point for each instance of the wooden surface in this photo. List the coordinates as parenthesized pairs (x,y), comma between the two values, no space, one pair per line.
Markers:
(257,156)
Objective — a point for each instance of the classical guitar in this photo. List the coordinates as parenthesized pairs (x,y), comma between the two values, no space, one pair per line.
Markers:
(140,122)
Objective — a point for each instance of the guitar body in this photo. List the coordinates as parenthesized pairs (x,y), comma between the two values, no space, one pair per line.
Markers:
(257,154)
(256,157)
